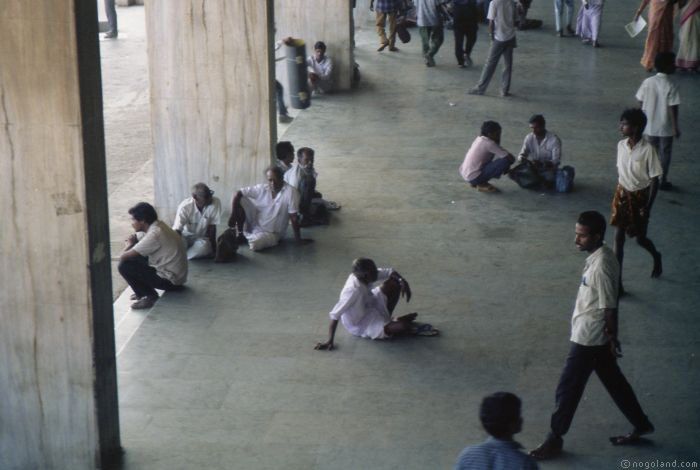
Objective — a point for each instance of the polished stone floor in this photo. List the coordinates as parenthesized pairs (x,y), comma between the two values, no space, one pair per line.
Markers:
(224,375)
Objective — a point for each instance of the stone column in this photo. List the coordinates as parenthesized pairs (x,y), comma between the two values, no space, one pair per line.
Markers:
(329,21)
(58,397)
(212,99)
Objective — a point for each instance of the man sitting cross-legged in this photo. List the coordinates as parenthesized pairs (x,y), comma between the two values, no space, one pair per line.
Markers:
(366,311)
(196,220)
(154,257)
(262,212)
(302,176)
(479,165)
(543,149)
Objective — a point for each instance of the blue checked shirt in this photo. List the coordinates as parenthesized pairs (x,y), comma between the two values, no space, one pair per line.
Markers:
(386,6)
(495,454)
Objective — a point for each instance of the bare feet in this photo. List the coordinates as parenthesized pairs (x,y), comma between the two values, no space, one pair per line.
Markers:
(658,268)
(409,317)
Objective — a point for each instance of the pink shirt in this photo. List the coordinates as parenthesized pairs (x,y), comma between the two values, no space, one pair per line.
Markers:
(482,151)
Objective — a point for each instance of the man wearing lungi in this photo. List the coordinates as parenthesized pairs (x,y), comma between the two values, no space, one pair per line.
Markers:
(638,168)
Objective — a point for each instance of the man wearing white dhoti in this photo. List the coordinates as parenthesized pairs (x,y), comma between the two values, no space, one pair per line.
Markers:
(366,303)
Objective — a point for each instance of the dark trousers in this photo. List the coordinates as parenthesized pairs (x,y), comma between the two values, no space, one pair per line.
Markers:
(432,38)
(279,96)
(493,169)
(583,360)
(111,12)
(466,25)
(497,50)
(143,278)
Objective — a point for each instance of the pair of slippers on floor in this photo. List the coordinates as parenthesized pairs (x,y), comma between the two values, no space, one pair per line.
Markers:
(424,329)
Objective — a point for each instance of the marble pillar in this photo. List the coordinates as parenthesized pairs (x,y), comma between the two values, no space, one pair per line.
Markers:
(212,96)
(58,397)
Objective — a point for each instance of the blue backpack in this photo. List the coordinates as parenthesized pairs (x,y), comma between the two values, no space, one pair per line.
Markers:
(565,179)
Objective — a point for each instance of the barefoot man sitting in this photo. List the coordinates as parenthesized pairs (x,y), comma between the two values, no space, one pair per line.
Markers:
(365,306)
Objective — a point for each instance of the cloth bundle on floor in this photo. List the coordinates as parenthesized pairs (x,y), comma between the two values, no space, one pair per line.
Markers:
(226,246)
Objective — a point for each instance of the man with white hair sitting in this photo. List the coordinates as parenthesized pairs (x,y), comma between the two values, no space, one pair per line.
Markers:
(196,220)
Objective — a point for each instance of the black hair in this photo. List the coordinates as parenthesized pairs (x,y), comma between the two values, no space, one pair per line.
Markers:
(498,412)
(665,62)
(363,267)
(537,119)
(636,118)
(489,127)
(595,221)
(305,150)
(283,149)
(144,212)
(320,45)
(277,171)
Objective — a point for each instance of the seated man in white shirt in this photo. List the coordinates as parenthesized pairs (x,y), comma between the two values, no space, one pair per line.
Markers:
(543,149)
(320,68)
(196,220)
(153,258)
(302,176)
(262,212)
(365,306)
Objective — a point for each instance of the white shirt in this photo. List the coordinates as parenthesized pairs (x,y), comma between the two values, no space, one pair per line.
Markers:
(359,309)
(657,93)
(193,223)
(293,175)
(598,291)
(502,12)
(427,13)
(323,69)
(271,214)
(165,251)
(636,167)
(549,150)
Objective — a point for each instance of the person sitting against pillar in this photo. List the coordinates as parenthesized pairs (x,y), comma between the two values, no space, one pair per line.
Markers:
(542,149)
(196,221)
(284,151)
(302,176)
(366,303)
(154,257)
(479,165)
(320,70)
(261,213)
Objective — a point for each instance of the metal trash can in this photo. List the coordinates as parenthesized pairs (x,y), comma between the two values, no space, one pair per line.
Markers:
(297,77)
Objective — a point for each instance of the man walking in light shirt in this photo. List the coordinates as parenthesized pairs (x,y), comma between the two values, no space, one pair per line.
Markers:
(594,342)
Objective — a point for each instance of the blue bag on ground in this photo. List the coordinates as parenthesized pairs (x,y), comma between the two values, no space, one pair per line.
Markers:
(565,179)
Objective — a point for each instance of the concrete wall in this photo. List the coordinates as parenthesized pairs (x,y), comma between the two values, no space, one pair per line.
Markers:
(54,262)
(212,116)
(320,20)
